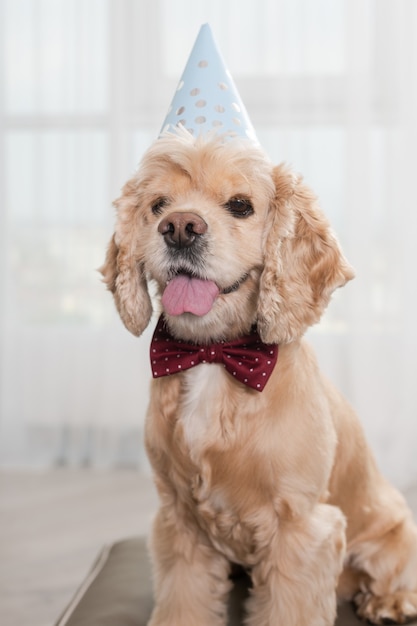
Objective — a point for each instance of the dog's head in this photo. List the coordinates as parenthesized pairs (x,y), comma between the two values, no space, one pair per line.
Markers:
(229,241)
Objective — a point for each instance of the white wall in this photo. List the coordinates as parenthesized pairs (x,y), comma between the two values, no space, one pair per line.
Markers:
(331,87)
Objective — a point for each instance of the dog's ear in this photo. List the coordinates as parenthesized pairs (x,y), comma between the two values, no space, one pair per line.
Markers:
(122,270)
(303,262)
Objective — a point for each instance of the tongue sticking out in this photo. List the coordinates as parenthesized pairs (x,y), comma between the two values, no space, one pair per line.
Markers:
(185,294)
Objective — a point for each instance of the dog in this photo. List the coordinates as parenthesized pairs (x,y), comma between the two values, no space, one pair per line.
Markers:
(280,482)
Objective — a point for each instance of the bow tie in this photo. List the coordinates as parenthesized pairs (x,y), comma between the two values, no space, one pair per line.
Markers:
(247,359)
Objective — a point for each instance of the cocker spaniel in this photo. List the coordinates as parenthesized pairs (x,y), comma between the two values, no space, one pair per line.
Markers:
(257,459)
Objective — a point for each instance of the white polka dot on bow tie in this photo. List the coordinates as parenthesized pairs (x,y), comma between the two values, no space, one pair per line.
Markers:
(258,385)
(167,369)
(263,374)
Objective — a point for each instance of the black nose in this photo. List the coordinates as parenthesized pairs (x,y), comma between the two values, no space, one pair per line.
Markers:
(180,230)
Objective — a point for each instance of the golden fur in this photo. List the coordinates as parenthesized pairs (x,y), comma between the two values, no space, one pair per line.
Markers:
(280,482)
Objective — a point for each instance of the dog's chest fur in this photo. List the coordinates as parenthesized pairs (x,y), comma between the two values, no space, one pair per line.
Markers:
(207,424)
(224,460)
(201,409)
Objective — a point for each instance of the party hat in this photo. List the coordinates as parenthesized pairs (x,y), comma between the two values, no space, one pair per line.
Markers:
(206,98)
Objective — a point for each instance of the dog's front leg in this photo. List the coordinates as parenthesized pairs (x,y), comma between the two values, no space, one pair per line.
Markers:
(191,578)
(296,583)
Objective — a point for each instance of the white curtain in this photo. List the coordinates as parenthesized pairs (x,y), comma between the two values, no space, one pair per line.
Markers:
(331,87)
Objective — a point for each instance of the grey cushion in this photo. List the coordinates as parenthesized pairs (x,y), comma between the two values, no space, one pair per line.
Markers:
(118,591)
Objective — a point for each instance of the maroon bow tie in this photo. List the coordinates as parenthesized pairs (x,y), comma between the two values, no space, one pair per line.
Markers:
(247,359)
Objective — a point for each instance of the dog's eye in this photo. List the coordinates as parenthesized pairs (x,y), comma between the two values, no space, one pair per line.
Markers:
(158,205)
(239,207)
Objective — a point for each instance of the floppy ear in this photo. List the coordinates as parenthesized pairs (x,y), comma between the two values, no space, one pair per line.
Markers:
(123,271)
(303,262)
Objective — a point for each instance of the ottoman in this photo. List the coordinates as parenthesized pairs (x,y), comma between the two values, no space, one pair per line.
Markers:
(118,591)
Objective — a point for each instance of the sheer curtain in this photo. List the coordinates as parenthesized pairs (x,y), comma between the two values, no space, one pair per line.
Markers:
(331,87)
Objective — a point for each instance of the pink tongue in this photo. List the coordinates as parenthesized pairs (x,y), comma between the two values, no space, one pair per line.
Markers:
(184,294)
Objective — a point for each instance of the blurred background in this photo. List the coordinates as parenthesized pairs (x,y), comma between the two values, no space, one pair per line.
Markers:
(331,88)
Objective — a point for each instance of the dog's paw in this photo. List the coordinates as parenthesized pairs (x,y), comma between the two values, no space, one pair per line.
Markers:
(393,608)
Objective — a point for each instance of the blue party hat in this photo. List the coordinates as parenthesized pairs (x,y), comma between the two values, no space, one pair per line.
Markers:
(206,98)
